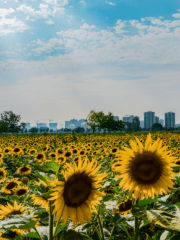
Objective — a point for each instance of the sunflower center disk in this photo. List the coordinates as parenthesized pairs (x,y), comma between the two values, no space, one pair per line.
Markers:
(146,168)
(77,190)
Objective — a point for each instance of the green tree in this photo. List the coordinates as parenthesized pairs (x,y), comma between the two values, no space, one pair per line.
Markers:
(94,118)
(78,130)
(33,130)
(136,125)
(156,127)
(3,127)
(12,121)
(108,122)
(10,118)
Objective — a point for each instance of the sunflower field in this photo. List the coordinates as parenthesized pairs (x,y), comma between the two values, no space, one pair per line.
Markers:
(90,186)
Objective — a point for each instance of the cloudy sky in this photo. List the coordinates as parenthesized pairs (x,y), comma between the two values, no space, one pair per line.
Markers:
(60,59)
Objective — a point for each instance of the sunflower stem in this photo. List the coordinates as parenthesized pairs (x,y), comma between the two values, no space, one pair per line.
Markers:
(126,230)
(38,233)
(51,218)
(137,223)
(100,222)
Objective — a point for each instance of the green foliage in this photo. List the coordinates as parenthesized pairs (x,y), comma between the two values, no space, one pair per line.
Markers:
(78,130)
(156,127)
(71,234)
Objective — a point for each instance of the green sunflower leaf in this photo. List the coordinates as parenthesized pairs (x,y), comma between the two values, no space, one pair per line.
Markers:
(108,197)
(71,234)
(32,235)
(42,178)
(49,167)
(149,200)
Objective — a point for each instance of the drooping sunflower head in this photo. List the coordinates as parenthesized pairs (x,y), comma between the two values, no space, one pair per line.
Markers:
(77,195)
(10,186)
(124,207)
(24,170)
(6,211)
(39,157)
(146,170)
(20,191)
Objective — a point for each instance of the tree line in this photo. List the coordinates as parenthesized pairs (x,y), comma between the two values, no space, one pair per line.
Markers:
(10,123)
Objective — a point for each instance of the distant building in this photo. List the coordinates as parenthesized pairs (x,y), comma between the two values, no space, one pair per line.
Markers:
(149,119)
(142,123)
(116,118)
(27,126)
(72,126)
(39,125)
(156,119)
(161,121)
(53,126)
(75,122)
(169,119)
(128,118)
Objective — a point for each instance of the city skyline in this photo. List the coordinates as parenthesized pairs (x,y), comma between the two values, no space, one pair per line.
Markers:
(60,59)
(127,118)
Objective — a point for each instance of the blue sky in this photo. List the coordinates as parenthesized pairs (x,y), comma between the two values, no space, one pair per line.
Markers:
(60,59)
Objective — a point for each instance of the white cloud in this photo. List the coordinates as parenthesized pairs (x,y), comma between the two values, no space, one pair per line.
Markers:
(4,12)
(49,22)
(58,10)
(83,2)
(176,15)
(6,1)
(86,26)
(113,4)
(11,26)
(52,44)
(119,25)
(57,2)
(44,10)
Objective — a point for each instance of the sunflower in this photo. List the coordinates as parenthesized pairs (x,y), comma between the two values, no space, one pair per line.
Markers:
(4,238)
(32,151)
(20,191)
(7,150)
(124,207)
(1,155)
(67,154)
(52,155)
(146,170)
(39,157)
(10,186)
(6,211)
(24,170)
(77,195)
(17,150)
(60,159)
(42,201)
(2,174)
(59,151)
(114,150)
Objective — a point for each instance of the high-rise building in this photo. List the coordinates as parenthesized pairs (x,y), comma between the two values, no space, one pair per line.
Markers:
(27,126)
(39,125)
(75,122)
(53,126)
(169,119)
(156,119)
(142,123)
(149,119)
(161,121)
(128,118)
(116,118)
